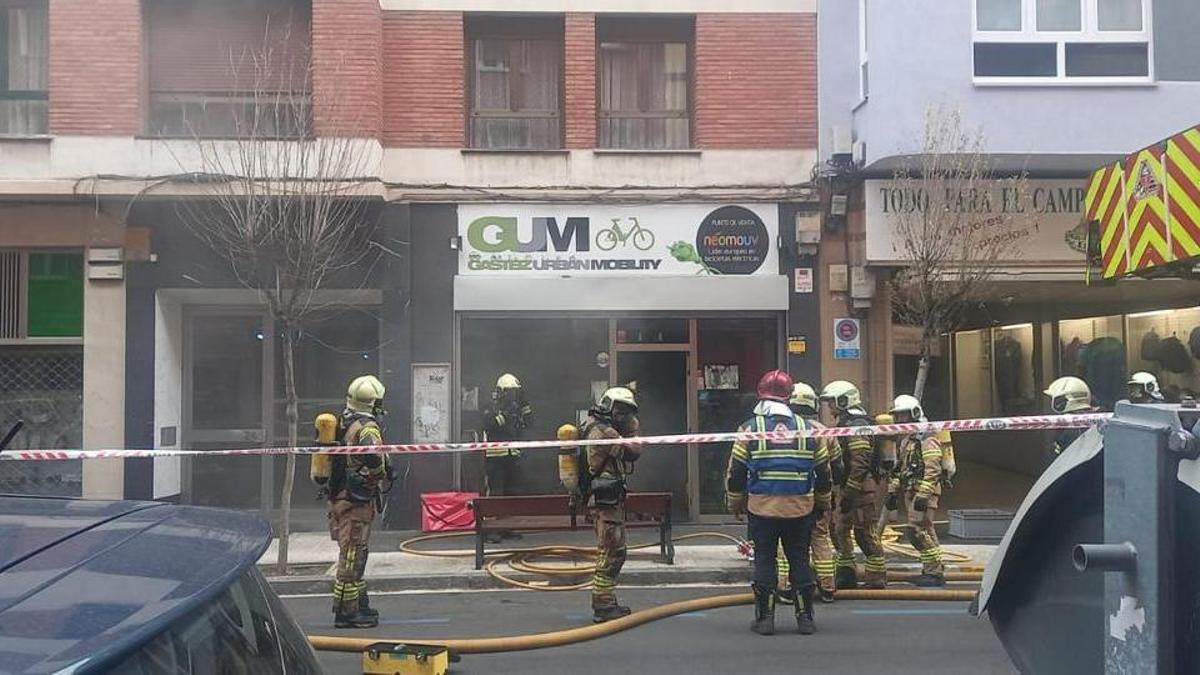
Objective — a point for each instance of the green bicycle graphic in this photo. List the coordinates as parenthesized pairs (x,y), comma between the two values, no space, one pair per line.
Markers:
(608,238)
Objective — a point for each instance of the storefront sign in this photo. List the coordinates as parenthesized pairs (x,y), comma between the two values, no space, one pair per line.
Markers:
(670,239)
(846,339)
(804,280)
(1041,224)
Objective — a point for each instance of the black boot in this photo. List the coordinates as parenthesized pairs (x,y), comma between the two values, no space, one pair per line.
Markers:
(827,595)
(355,620)
(804,611)
(364,607)
(929,581)
(847,577)
(764,611)
(602,614)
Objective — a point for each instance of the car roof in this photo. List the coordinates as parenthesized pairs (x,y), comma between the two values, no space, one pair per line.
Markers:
(83,582)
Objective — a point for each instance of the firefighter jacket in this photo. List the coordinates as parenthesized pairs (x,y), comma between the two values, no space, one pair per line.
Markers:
(504,420)
(858,456)
(920,467)
(358,478)
(778,479)
(611,461)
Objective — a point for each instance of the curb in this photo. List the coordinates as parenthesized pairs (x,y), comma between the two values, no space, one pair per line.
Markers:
(318,584)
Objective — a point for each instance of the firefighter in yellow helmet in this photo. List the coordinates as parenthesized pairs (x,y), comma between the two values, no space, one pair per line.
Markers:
(804,404)
(918,477)
(856,510)
(505,419)
(1069,396)
(1143,388)
(355,491)
(614,416)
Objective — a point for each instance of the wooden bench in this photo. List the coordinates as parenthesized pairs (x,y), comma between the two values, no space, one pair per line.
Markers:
(557,512)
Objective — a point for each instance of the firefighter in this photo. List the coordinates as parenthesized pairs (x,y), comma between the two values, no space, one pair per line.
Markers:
(918,477)
(784,488)
(1143,388)
(1069,396)
(355,484)
(504,419)
(803,403)
(608,466)
(857,509)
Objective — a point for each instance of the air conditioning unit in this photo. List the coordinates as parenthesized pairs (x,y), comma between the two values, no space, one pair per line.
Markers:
(859,153)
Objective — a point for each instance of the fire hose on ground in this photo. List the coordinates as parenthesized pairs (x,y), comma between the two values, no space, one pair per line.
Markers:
(521,560)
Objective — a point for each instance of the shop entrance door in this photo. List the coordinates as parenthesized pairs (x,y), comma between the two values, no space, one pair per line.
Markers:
(661,379)
(226,380)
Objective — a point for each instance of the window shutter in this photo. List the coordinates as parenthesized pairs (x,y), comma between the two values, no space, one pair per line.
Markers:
(11,308)
(208,47)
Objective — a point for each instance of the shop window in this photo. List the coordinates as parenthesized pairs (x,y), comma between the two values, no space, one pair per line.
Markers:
(41,294)
(1167,343)
(1012,370)
(645,82)
(44,387)
(652,331)
(1062,41)
(229,68)
(514,77)
(24,68)
(1093,349)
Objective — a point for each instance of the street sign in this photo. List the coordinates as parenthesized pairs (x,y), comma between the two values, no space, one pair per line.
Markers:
(846,339)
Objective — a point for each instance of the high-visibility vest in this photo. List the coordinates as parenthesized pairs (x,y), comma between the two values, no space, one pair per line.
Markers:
(781,467)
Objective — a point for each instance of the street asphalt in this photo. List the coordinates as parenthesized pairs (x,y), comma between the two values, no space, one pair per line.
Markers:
(898,638)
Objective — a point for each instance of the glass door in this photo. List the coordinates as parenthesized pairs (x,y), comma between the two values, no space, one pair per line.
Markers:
(226,368)
(660,379)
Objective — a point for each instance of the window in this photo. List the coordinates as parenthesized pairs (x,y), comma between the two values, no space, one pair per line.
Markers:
(864,80)
(515,72)
(229,68)
(645,77)
(24,68)
(1023,41)
(41,294)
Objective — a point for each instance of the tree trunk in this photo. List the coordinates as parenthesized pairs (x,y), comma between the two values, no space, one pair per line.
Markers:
(922,374)
(289,476)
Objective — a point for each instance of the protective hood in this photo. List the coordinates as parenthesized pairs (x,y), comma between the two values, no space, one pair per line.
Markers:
(767,408)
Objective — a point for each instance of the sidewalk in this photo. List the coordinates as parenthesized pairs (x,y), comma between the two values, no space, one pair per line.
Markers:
(707,561)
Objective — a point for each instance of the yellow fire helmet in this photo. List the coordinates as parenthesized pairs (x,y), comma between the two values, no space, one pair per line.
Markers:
(364,393)
(802,394)
(842,395)
(508,381)
(1069,394)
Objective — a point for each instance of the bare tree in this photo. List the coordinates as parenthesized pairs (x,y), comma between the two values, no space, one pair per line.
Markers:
(957,219)
(281,204)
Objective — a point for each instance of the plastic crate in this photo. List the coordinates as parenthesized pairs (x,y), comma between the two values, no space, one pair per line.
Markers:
(979,523)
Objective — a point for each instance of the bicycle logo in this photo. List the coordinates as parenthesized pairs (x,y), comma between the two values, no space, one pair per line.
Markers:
(608,238)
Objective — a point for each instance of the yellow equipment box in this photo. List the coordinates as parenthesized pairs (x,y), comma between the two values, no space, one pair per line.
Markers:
(391,658)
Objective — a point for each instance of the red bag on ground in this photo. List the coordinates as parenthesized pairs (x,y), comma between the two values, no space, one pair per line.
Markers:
(447,511)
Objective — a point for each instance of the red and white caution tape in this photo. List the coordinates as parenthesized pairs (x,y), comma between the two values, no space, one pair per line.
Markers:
(987,424)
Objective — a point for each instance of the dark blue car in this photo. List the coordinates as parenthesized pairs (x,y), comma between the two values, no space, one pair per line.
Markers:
(138,588)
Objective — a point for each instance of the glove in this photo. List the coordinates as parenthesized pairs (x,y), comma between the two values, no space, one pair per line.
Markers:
(893,501)
(921,503)
(846,505)
(736,505)
(821,506)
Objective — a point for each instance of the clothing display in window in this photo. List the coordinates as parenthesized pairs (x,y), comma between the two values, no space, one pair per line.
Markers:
(1071,353)
(1151,346)
(1174,356)
(1103,368)
(1194,342)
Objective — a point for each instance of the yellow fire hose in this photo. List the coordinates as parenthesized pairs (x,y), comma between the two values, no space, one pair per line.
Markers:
(520,559)
(559,638)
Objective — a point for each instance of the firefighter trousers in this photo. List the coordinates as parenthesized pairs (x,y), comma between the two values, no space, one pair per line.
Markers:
(923,536)
(768,534)
(350,526)
(824,558)
(858,525)
(610,555)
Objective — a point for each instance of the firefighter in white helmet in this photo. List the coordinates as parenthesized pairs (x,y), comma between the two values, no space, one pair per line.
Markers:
(1069,396)
(505,419)
(918,477)
(613,416)
(804,403)
(1143,388)
(856,510)
(354,493)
